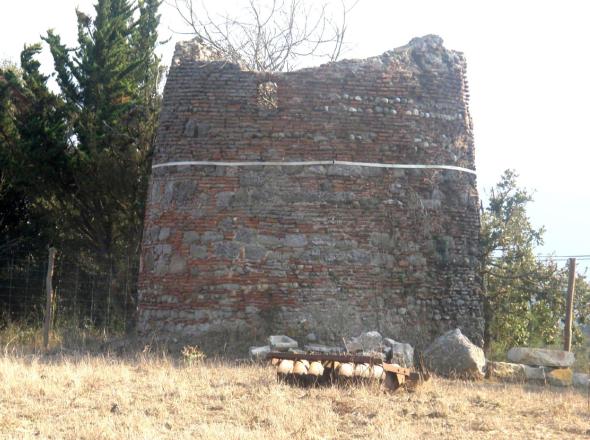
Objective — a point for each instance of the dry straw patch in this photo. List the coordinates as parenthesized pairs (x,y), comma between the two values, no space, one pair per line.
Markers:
(150,398)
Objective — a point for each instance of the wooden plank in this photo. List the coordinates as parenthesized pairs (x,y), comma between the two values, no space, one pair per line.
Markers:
(325,357)
(395,369)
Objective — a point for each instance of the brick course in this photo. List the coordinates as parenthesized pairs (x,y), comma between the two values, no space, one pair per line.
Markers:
(235,253)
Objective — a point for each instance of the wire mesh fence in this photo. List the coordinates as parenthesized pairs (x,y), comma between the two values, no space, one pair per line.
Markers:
(83,295)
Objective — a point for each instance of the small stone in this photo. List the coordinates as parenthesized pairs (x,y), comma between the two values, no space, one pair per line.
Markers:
(227,249)
(295,240)
(535,373)
(581,380)
(324,349)
(164,234)
(282,342)
(506,371)
(259,352)
(366,342)
(561,377)
(399,353)
(311,337)
(255,253)
(190,237)
(177,264)
(224,199)
(211,236)
(198,251)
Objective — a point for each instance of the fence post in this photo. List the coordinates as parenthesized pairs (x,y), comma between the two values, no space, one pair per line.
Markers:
(569,311)
(49,291)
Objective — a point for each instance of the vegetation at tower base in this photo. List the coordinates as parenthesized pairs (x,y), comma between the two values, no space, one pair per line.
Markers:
(524,296)
(80,156)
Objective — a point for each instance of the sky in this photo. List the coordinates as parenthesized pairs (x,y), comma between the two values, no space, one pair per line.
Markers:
(528,70)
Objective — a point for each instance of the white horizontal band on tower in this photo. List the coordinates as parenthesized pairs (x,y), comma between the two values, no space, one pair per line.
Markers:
(310,162)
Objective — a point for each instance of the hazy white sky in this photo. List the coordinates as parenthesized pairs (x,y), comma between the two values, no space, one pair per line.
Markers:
(528,69)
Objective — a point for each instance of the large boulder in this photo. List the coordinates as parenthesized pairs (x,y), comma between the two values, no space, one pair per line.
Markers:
(398,353)
(453,355)
(541,357)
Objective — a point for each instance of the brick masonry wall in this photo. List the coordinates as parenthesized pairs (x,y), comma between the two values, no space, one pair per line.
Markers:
(232,254)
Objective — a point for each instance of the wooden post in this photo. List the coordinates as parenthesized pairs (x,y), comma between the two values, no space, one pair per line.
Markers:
(49,290)
(569,311)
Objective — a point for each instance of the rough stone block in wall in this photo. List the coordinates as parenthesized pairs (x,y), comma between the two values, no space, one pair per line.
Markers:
(234,253)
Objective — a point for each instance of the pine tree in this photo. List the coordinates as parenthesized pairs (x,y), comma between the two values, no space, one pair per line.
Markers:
(109,85)
(81,156)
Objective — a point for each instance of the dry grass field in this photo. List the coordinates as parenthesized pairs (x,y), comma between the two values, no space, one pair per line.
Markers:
(151,397)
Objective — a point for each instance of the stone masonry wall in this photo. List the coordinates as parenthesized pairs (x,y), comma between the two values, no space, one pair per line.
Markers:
(234,253)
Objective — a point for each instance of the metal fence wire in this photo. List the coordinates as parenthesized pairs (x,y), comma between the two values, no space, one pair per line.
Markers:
(83,296)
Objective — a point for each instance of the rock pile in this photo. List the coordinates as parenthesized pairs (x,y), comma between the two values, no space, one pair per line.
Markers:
(368,344)
(450,355)
(539,365)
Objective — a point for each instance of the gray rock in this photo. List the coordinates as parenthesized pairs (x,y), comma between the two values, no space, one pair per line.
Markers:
(534,373)
(541,357)
(177,264)
(259,352)
(324,349)
(198,251)
(581,380)
(164,234)
(227,249)
(311,337)
(366,342)
(295,240)
(282,342)
(255,253)
(190,237)
(399,353)
(561,377)
(296,351)
(506,371)
(453,355)
(211,236)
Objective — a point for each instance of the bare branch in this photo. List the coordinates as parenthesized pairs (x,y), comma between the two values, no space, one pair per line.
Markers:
(271,35)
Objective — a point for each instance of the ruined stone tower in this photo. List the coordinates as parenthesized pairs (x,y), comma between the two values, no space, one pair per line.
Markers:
(333,199)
